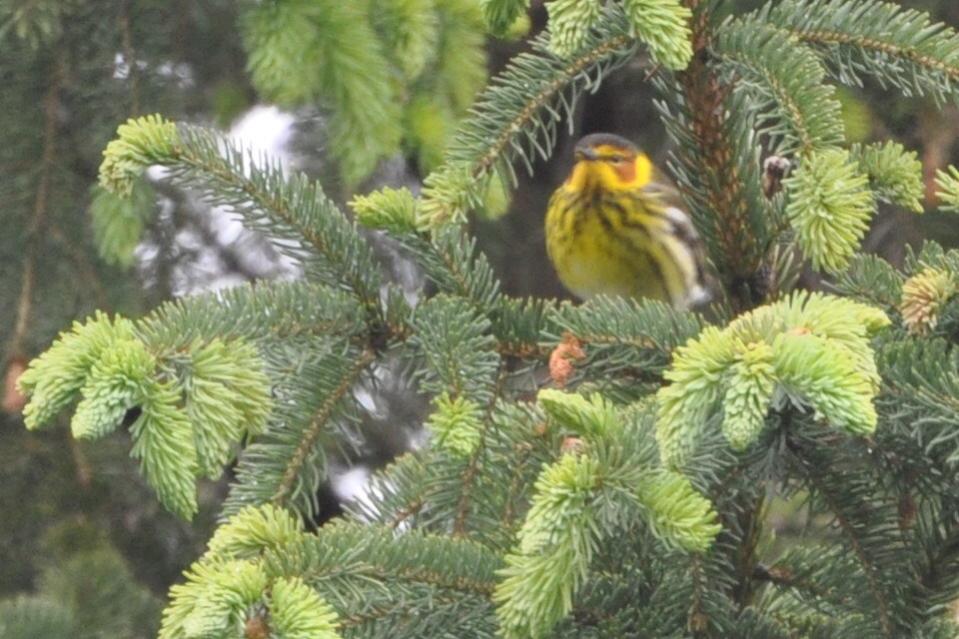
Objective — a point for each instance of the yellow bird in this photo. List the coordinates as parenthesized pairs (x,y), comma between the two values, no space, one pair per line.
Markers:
(611,230)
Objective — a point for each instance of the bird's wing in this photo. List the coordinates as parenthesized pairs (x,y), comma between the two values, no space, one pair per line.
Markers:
(662,188)
(681,227)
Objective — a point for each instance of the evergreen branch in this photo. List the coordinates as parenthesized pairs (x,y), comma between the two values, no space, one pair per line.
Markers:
(447,610)
(517,118)
(461,63)
(228,589)
(818,349)
(899,47)
(676,513)
(697,618)
(501,14)
(664,26)
(371,615)
(947,185)
(871,280)
(785,80)
(609,46)
(293,206)
(306,373)
(469,474)
(451,259)
(717,163)
(297,612)
(37,23)
(163,441)
(591,417)
(429,577)
(938,534)
(387,209)
(924,298)
(425,490)
(193,405)
(409,30)
(117,382)
(263,313)
(56,378)
(516,484)
(301,52)
(140,143)
(557,542)
(292,209)
(828,492)
(405,513)
(456,425)
(459,352)
(751,385)
(118,222)
(570,22)
(227,400)
(830,206)
(355,566)
(398,494)
(319,420)
(586,498)
(920,390)
(895,174)
(623,335)
(806,570)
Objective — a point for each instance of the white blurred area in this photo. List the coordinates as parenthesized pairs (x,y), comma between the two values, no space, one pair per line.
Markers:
(211,248)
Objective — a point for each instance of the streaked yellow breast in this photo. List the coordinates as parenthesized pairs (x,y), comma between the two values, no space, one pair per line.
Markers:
(617,244)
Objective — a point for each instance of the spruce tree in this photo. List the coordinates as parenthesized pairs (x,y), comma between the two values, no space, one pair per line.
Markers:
(603,469)
(82,543)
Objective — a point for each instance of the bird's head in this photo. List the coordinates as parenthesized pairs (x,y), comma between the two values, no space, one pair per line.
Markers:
(609,162)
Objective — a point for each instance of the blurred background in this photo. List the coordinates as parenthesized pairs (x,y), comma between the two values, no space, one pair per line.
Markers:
(78,525)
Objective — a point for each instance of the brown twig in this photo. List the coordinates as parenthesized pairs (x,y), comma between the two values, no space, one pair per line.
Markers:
(51,104)
(317,424)
(705,98)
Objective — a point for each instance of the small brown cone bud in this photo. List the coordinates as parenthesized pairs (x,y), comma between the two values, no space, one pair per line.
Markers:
(562,358)
(775,169)
(572,446)
(13,399)
(698,622)
(780,574)
(256,628)
(923,296)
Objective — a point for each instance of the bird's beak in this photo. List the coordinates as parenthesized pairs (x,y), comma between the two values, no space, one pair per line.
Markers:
(586,154)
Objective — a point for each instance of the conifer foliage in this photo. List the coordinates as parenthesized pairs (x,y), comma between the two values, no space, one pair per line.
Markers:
(634,501)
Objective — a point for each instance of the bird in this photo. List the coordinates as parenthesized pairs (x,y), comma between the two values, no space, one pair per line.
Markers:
(612,228)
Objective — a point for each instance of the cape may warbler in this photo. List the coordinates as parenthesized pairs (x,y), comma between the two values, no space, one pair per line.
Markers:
(611,229)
